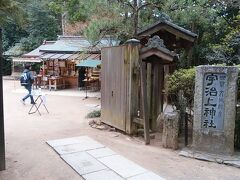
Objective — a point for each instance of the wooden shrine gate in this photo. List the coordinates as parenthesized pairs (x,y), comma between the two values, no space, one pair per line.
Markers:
(132,76)
(124,83)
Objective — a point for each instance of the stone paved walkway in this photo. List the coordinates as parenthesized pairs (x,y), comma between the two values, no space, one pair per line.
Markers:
(92,160)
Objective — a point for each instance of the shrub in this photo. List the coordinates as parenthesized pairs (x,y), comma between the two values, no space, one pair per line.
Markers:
(94,114)
(182,79)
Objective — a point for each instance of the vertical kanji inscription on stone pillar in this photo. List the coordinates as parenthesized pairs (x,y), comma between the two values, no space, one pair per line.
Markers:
(215,109)
(213,101)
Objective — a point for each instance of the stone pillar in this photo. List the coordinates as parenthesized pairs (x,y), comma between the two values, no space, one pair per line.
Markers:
(170,130)
(215,109)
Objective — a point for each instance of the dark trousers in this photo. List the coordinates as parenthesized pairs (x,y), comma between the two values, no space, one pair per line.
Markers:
(29,88)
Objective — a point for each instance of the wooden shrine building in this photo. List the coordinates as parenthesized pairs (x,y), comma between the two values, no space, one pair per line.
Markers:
(133,76)
(59,60)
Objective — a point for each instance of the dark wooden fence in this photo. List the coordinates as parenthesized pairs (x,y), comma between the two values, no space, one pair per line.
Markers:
(237,124)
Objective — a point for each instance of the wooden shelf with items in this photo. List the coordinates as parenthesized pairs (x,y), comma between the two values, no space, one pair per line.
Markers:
(93,78)
(95,74)
(70,74)
(62,68)
(61,74)
(70,69)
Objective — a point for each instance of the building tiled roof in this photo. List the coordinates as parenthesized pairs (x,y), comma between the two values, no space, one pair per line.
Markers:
(168,23)
(67,48)
(71,44)
(36,52)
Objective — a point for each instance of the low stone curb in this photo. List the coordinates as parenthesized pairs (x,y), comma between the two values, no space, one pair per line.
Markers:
(220,159)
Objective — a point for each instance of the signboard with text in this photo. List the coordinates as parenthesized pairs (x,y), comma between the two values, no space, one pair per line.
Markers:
(213,101)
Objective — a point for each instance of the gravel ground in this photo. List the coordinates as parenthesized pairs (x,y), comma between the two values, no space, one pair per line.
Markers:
(28,156)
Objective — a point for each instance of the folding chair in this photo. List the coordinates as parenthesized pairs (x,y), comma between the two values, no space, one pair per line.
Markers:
(40,100)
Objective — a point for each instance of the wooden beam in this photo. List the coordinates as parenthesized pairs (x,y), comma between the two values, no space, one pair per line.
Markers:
(169,29)
(144,102)
(179,33)
(2,139)
(166,58)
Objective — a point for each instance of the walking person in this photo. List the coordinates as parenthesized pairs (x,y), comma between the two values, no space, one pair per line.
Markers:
(27,80)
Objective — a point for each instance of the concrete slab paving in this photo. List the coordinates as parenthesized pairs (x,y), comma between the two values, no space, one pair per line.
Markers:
(122,166)
(146,176)
(83,163)
(74,140)
(72,145)
(62,142)
(102,175)
(73,148)
(101,152)
(92,160)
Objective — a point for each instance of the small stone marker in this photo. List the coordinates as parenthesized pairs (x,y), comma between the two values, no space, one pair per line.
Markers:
(215,109)
(170,130)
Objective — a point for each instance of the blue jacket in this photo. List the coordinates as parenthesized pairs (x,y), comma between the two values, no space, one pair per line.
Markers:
(30,75)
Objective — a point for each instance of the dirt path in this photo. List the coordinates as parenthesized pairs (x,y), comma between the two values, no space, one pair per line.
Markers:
(29,157)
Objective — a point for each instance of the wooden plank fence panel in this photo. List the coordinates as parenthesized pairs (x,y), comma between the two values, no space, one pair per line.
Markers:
(113,88)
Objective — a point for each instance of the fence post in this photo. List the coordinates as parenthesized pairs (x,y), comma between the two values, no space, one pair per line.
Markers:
(183,115)
(2,140)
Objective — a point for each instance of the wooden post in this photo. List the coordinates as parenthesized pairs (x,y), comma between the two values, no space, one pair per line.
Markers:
(2,139)
(144,102)
(157,87)
(189,52)
(149,88)
(186,129)
(166,70)
(43,73)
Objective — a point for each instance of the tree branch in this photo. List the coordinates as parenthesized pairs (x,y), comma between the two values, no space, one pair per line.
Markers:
(153,4)
(127,3)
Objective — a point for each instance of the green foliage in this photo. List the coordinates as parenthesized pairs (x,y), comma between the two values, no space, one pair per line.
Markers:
(106,20)
(99,28)
(227,51)
(56,6)
(36,67)
(7,66)
(40,24)
(77,10)
(12,34)
(182,79)
(211,20)
(94,114)
(215,22)
(11,10)
(93,31)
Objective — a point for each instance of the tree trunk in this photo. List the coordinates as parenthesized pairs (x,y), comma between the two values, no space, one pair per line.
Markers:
(135,17)
(2,140)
